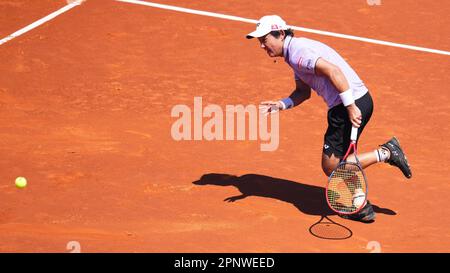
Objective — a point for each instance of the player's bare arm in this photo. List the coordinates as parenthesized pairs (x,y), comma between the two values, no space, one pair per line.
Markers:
(301,93)
(334,73)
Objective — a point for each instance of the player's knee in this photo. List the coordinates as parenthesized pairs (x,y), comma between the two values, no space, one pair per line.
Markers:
(329,163)
(325,167)
(327,170)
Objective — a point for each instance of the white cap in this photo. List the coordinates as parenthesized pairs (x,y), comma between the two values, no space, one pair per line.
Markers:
(267,24)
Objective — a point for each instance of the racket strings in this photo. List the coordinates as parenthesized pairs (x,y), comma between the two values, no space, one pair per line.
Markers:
(346,182)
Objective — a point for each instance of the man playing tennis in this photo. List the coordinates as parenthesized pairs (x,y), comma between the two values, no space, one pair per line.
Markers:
(317,66)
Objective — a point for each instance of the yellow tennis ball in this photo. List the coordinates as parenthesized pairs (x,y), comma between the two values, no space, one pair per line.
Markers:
(21,182)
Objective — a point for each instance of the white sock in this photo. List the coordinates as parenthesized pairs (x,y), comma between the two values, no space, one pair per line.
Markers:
(381,154)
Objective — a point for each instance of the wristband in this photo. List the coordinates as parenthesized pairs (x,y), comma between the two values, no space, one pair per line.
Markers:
(347,97)
(287,103)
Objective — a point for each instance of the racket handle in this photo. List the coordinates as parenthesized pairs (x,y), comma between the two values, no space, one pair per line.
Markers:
(354,134)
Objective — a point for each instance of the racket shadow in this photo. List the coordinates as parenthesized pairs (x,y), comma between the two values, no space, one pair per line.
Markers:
(328,229)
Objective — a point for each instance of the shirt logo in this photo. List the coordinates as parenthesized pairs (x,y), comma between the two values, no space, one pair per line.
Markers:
(309,65)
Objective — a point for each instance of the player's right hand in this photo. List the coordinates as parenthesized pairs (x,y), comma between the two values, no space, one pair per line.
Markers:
(269,107)
(355,115)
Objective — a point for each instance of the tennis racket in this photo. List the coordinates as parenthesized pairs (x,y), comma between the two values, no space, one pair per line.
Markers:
(346,190)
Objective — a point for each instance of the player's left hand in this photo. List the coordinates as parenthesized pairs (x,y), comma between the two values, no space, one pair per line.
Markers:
(354,115)
(270,107)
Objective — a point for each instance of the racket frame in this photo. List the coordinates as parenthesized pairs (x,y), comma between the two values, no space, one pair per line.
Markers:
(353,137)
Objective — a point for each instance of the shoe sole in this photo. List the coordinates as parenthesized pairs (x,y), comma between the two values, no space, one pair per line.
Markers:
(366,219)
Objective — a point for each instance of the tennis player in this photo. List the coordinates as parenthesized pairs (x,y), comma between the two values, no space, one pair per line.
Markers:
(317,66)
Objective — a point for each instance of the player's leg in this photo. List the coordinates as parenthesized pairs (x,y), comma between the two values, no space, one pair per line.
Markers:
(366,159)
(329,163)
(337,141)
(390,152)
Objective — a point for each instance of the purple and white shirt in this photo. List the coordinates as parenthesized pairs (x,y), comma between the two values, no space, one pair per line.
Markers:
(302,54)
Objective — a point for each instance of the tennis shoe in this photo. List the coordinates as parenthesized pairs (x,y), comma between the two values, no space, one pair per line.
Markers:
(365,215)
(397,157)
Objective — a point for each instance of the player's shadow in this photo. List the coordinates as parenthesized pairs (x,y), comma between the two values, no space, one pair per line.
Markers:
(308,199)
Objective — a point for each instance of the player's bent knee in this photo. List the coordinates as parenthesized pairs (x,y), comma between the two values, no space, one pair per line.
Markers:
(329,163)
(327,170)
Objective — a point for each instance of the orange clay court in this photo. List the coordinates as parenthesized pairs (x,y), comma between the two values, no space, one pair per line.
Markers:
(85,103)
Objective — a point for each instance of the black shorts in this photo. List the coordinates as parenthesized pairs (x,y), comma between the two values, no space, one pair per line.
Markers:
(337,137)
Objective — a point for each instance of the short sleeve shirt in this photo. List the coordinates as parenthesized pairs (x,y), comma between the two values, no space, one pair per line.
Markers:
(302,54)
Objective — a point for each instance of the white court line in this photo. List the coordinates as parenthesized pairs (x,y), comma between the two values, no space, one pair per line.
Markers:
(321,32)
(40,21)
